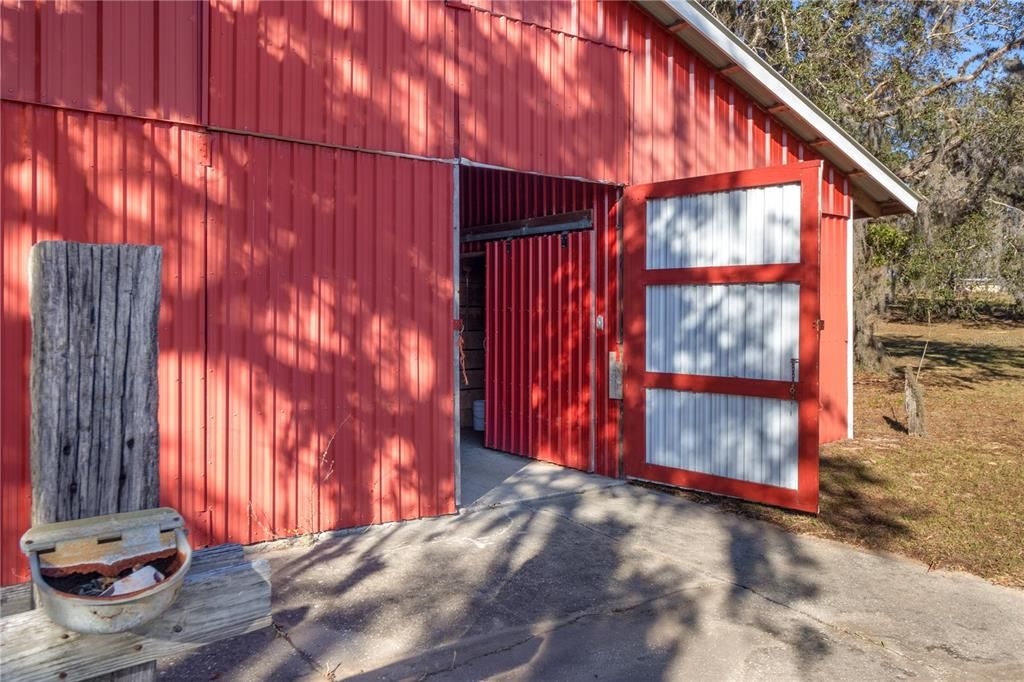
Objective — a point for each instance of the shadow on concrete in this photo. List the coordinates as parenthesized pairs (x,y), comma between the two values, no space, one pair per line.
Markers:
(491,478)
(532,589)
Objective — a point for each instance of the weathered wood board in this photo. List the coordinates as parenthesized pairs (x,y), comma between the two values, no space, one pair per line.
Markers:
(225,595)
(95,440)
(15,599)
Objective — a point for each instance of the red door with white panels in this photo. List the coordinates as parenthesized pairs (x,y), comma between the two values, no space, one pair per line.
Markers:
(721,319)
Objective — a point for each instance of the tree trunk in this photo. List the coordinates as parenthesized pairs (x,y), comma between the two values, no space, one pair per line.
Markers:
(869,288)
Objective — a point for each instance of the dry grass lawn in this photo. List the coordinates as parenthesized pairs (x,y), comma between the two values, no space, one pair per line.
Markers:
(953,499)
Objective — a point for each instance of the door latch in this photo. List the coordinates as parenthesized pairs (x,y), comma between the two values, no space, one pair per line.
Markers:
(793,362)
(615,375)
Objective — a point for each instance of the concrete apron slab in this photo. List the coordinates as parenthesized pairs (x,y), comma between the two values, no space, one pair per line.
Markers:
(612,583)
(540,481)
(493,479)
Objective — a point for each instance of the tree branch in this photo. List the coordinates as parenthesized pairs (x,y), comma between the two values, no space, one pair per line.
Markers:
(785,37)
(1013,208)
(992,57)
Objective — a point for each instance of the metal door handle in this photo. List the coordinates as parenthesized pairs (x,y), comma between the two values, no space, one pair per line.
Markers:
(793,362)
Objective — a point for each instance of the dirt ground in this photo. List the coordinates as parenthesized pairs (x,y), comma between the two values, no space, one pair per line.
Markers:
(954,498)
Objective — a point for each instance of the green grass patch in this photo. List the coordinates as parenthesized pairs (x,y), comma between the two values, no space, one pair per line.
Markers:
(954,498)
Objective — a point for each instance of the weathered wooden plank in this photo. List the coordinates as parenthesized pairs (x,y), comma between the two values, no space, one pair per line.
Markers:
(473,340)
(94,379)
(95,440)
(215,603)
(212,558)
(473,359)
(15,599)
(136,673)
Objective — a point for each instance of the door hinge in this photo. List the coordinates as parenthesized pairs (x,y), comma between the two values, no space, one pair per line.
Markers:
(204,151)
(819,325)
(565,240)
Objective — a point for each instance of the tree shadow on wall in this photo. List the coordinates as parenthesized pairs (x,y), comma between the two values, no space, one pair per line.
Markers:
(306,382)
(289,266)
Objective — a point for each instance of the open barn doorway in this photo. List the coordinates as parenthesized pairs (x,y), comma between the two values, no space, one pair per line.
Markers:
(526,299)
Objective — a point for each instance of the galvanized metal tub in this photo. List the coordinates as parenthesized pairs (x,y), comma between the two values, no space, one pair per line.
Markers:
(107,615)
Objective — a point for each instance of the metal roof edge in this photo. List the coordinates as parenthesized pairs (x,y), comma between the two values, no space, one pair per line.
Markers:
(736,50)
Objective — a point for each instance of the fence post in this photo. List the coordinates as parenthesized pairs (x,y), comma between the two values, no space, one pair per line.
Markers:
(95,440)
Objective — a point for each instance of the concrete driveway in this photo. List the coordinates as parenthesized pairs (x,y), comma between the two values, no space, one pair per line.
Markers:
(614,583)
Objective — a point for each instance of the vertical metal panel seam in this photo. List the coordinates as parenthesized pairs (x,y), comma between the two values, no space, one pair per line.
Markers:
(456,333)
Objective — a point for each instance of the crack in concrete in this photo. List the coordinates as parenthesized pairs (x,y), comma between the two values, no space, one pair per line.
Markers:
(749,588)
(310,661)
(544,629)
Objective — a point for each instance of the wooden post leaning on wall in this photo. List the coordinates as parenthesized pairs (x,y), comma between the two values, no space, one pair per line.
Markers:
(95,438)
(95,450)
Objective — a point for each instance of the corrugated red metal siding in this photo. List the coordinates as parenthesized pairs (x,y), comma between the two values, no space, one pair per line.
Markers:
(540,100)
(491,196)
(329,389)
(613,94)
(373,75)
(681,118)
(834,367)
(538,366)
(135,58)
(689,120)
(602,22)
(305,352)
(88,177)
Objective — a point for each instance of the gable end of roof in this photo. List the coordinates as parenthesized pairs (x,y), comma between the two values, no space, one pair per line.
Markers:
(876,189)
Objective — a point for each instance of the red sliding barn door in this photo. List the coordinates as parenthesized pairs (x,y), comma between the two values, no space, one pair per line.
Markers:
(721,321)
(538,348)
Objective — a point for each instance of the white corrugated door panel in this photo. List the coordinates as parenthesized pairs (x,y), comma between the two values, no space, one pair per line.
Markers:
(751,226)
(742,437)
(725,330)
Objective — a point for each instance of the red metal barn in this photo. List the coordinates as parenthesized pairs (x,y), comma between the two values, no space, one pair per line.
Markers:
(615,184)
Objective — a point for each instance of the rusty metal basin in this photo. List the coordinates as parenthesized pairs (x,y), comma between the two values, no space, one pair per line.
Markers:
(107,545)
